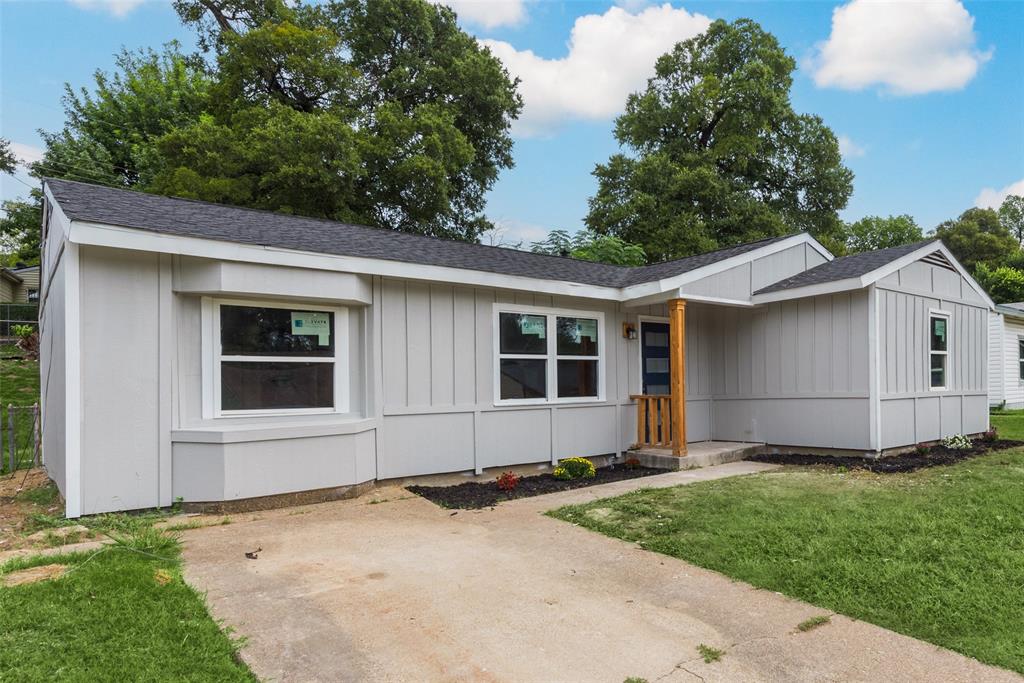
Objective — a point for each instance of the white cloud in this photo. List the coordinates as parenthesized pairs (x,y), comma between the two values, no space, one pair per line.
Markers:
(488,13)
(118,8)
(990,198)
(510,231)
(850,149)
(26,154)
(610,56)
(906,48)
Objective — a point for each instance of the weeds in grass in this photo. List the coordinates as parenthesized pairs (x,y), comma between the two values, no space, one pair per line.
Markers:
(813,622)
(42,495)
(710,654)
(635,679)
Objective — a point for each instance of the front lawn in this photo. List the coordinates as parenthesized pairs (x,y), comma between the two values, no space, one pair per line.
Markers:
(936,554)
(1009,423)
(120,613)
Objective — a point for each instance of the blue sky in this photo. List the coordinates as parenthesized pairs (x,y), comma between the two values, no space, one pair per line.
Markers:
(926,97)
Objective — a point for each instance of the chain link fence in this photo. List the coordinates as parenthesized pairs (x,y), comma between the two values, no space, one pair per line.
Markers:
(20,441)
(17,314)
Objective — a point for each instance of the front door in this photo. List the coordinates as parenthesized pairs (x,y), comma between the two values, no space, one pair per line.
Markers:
(654,357)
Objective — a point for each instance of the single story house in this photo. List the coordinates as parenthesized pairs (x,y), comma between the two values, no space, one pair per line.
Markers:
(211,353)
(19,285)
(1006,356)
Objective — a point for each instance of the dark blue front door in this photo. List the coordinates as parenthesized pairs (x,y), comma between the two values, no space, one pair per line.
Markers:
(654,357)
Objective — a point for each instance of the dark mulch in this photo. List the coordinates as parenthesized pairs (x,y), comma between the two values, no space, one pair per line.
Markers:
(477,494)
(907,462)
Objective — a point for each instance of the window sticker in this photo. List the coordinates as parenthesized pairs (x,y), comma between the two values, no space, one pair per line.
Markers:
(313,323)
(533,324)
(586,327)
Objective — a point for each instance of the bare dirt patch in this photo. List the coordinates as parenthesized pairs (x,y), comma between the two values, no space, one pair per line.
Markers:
(26,497)
(44,572)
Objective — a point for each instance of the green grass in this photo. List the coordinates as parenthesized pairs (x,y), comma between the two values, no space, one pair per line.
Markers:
(709,654)
(1009,424)
(19,385)
(122,611)
(937,554)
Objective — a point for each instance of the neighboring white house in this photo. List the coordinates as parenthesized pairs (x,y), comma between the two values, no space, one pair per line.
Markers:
(210,353)
(1006,356)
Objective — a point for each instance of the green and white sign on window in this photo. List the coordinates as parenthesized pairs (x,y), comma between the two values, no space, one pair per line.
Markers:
(313,323)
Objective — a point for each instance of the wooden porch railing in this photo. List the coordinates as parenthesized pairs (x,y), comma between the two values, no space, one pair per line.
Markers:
(653,420)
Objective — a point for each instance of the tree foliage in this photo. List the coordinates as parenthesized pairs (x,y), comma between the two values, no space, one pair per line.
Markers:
(590,246)
(8,162)
(381,112)
(19,230)
(1011,215)
(1003,283)
(717,155)
(877,232)
(978,236)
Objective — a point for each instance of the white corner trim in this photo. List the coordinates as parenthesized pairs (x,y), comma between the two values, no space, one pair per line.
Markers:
(874,372)
(72,384)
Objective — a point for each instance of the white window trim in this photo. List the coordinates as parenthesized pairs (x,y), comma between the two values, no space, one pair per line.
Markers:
(948,315)
(552,357)
(212,358)
(1020,359)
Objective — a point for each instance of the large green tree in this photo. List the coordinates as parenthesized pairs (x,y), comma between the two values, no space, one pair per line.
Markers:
(716,155)
(978,236)
(1003,283)
(878,232)
(110,132)
(375,111)
(8,162)
(19,225)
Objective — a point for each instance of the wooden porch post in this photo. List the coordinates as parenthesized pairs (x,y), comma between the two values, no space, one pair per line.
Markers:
(677,360)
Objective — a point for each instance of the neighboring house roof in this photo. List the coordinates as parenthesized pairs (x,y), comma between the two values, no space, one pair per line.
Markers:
(845,267)
(1014,310)
(185,217)
(9,274)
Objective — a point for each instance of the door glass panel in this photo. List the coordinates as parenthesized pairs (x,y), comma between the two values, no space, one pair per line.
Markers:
(657,365)
(657,339)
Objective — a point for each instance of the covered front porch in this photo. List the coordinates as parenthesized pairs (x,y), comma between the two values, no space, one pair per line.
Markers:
(661,411)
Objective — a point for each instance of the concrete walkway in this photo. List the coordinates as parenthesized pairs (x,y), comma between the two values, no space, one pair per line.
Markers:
(401,590)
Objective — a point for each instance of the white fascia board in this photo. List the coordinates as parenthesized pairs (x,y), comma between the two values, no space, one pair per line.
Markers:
(117,237)
(931,247)
(646,289)
(810,290)
(662,297)
(819,247)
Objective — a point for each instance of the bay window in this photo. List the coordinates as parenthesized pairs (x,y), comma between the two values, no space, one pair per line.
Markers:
(547,355)
(272,358)
(938,349)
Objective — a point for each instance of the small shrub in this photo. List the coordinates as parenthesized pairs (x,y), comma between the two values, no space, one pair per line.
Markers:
(990,436)
(575,468)
(22,331)
(922,449)
(632,463)
(710,654)
(561,473)
(508,481)
(958,442)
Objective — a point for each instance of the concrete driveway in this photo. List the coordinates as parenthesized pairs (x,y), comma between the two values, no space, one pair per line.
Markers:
(401,590)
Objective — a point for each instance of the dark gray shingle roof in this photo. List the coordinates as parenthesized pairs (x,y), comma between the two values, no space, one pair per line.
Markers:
(190,218)
(845,267)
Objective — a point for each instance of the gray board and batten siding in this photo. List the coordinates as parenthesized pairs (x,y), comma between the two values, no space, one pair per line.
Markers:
(127,314)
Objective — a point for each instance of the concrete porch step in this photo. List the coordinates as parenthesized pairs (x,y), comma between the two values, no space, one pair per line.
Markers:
(699,454)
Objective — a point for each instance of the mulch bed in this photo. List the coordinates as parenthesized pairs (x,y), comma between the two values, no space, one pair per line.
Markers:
(906,462)
(473,495)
